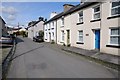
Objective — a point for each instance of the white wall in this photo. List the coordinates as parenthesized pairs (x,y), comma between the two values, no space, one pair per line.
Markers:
(50,31)
(38,27)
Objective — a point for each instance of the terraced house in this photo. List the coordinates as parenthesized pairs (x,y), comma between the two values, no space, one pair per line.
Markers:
(34,27)
(90,25)
(50,29)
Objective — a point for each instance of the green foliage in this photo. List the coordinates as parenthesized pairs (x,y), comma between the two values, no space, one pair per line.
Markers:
(68,45)
(52,42)
(64,44)
(41,33)
(22,33)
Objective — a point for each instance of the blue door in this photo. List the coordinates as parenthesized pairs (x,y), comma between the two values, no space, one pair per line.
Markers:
(97,39)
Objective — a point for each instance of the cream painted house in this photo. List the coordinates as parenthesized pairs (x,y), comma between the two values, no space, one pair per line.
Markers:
(91,25)
(34,28)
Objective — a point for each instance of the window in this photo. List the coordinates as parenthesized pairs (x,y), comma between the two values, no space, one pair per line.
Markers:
(53,24)
(53,34)
(81,16)
(62,37)
(115,9)
(96,12)
(49,26)
(62,21)
(80,36)
(46,35)
(115,36)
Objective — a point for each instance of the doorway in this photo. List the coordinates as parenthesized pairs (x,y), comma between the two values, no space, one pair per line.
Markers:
(68,37)
(97,39)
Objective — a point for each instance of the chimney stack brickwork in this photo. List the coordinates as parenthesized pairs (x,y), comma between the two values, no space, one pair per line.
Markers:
(67,7)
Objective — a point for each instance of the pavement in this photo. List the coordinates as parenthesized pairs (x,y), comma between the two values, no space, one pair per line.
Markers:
(94,54)
(40,60)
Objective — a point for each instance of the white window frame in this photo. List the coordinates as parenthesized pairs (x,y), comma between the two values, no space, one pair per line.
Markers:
(48,25)
(80,18)
(99,12)
(112,9)
(53,34)
(46,35)
(62,35)
(53,24)
(80,36)
(113,36)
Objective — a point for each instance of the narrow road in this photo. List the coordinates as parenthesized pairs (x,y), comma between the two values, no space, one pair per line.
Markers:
(37,60)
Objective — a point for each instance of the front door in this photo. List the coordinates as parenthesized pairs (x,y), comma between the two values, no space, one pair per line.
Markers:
(68,37)
(97,39)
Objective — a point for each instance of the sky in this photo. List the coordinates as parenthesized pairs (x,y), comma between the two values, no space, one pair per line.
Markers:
(24,12)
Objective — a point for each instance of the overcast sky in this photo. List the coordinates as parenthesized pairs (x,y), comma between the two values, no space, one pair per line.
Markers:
(24,12)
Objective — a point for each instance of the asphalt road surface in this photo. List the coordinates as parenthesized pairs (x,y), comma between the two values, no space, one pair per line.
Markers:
(37,60)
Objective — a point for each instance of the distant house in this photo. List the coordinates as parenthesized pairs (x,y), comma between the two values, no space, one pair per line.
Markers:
(3,29)
(30,29)
(16,29)
(34,27)
(50,29)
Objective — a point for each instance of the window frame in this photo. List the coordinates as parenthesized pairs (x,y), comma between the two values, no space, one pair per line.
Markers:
(62,36)
(93,13)
(53,34)
(80,17)
(113,8)
(80,36)
(53,24)
(113,35)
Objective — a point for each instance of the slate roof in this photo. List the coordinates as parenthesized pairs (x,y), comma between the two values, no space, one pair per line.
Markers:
(75,8)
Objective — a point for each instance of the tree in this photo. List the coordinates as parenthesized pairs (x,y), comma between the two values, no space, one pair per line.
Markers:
(41,18)
(41,33)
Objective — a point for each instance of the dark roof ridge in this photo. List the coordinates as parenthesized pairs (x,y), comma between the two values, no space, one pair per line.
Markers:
(2,19)
(74,9)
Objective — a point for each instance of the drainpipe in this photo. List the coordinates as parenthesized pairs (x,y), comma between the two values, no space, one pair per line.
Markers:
(100,23)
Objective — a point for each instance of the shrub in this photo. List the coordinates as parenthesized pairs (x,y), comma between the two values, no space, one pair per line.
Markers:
(68,45)
(64,44)
(52,42)
(41,33)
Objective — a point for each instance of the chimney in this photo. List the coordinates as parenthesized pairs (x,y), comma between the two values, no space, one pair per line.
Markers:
(67,7)
(53,14)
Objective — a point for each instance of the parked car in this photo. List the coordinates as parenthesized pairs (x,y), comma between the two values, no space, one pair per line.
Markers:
(38,39)
(6,39)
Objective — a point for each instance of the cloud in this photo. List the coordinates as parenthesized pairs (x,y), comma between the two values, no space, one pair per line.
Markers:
(9,10)
(11,17)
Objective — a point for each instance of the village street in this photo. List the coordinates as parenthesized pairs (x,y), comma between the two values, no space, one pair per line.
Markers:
(38,60)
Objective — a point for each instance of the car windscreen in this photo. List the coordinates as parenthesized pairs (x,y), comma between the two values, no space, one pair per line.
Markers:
(7,36)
